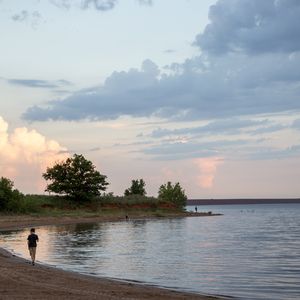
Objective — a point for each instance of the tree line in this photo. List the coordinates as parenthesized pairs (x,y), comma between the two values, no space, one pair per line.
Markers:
(77,179)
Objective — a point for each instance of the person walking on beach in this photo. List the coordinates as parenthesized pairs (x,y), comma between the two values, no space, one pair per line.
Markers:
(32,240)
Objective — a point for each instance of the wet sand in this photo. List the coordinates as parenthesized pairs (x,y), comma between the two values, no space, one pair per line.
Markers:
(20,280)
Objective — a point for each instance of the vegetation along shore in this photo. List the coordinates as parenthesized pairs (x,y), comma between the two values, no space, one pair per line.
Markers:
(77,198)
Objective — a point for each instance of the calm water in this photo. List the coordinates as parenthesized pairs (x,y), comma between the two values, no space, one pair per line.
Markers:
(252,252)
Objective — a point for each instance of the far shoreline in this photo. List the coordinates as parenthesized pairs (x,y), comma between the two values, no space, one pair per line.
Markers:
(242,201)
(53,283)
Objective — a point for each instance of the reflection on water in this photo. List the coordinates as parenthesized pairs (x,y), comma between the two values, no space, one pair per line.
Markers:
(251,252)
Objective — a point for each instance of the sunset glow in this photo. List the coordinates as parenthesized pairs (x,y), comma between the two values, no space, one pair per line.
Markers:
(199,101)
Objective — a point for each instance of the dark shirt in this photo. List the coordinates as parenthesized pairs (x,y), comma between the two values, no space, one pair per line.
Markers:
(32,239)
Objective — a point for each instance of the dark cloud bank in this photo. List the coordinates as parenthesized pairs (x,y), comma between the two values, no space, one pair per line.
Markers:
(249,64)
(252,26)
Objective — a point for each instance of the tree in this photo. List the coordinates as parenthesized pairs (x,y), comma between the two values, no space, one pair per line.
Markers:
(9,197)
(174,194)
(137,188)
(76,178)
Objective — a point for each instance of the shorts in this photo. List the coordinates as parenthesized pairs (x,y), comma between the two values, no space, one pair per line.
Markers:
(32,251)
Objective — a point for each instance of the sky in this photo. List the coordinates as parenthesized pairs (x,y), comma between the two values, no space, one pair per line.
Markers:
(204,93)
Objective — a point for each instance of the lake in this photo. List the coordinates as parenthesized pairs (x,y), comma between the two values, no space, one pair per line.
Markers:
(251,252)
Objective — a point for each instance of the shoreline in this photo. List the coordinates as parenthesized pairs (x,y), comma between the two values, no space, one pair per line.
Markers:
(11,222)
(18,281)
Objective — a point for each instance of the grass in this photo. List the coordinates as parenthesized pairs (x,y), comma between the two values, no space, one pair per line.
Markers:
(107,205)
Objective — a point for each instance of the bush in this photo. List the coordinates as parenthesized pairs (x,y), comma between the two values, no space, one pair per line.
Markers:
(10,199)
(174,194)
(137,188)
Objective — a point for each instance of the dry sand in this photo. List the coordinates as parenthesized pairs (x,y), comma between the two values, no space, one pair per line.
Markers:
(20,280)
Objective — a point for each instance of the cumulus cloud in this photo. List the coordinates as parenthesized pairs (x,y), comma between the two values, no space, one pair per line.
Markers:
(207,168)
(252,26)
(25,155)
(225,90)
(113,100)
(237,83)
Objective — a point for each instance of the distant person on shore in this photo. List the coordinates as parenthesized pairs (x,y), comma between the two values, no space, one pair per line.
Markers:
(32,243)
(196,208)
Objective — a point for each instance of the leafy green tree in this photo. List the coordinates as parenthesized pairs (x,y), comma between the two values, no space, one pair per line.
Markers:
(9,197)
(137,188)
(76,178)
(172,193)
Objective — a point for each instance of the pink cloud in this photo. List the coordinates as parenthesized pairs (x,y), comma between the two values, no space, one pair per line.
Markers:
(25,155)
(207,167)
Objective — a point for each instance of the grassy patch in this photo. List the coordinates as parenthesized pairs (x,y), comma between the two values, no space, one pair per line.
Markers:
(108,205)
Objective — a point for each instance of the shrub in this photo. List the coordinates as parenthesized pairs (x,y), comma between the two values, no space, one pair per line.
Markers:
(10,198)
(172,193)
(137,188)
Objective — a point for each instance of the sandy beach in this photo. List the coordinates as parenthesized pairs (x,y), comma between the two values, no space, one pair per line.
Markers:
(20,280)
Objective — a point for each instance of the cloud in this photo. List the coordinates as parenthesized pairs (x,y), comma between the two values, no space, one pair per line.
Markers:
(134,144)
(178,150)
(268,129)
(268,153)
(65,4)
(102,5)
(229,148)
(95,149)
(237,83)
(228,126)
(207,168)
(296,124)
(105,5)
(22,16)
(25,155)
(26,16)
(37,83)
(111,105)
(146,2)
(223,91)
(252,26)
(34,18)
(170,51)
